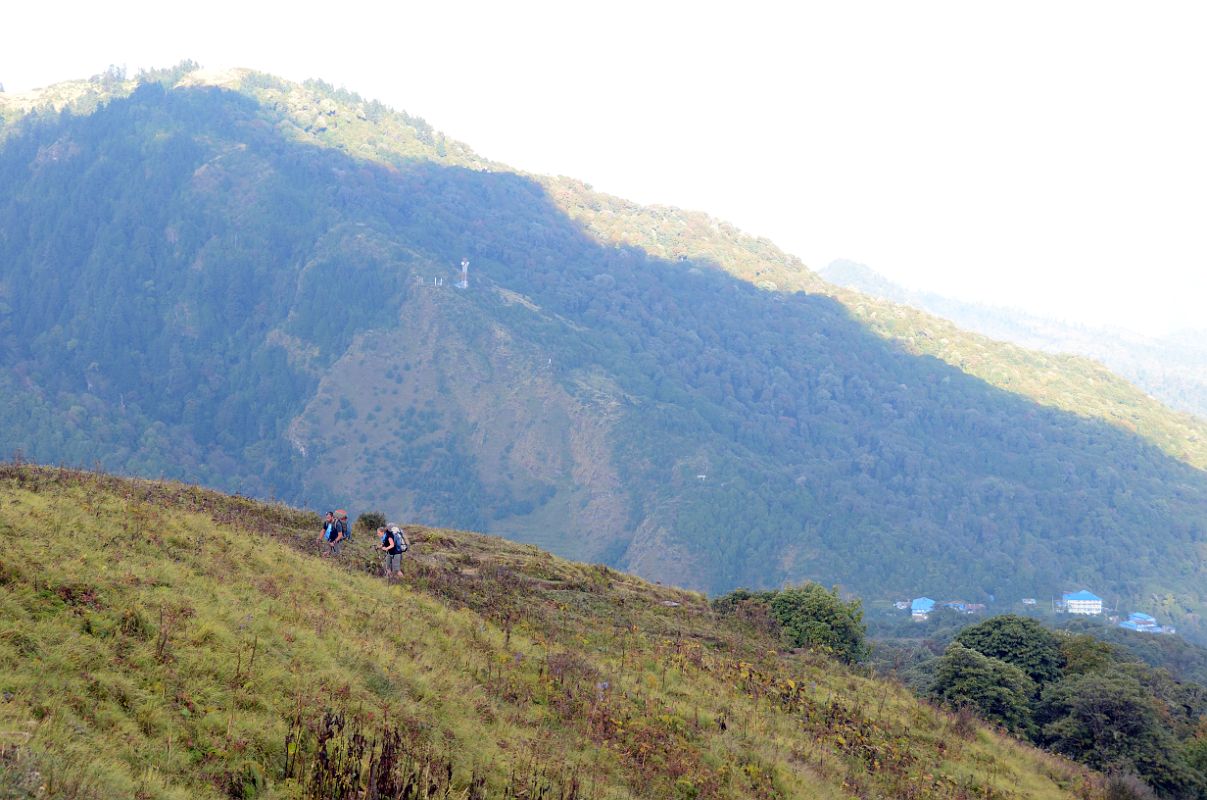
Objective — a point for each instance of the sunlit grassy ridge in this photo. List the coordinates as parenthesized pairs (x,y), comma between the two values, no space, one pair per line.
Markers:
(159,640)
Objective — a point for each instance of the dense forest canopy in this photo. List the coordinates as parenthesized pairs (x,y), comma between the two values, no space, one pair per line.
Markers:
(194,283)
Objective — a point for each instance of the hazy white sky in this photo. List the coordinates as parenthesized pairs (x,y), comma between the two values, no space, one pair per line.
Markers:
(1048,155)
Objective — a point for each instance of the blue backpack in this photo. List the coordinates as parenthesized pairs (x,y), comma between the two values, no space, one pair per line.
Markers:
(400,544)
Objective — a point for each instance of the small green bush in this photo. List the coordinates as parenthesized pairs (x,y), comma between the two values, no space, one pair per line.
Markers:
(811,616)
(371,520)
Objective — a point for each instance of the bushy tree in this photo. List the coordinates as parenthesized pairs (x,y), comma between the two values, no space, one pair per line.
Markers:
(1107,721)
(1195,750)
(1122,786)
(730,602)
(1083,653)
(812,616)
(1020,641)
(997,691)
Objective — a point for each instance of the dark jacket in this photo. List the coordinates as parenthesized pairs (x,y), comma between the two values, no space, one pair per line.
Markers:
(394,541)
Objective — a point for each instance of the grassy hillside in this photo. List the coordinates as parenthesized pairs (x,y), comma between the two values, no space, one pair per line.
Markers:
(159,640)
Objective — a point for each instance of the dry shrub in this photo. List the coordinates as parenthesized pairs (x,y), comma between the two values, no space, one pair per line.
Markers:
(963,723)
(570,668)
(28,775)
(1120,786)
(78,596)
(337,758)
(134,624)
(757,615)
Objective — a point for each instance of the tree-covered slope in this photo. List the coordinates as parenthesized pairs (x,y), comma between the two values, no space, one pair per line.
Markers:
(1068,382)
(1121,701)
(198,647)
(254,289)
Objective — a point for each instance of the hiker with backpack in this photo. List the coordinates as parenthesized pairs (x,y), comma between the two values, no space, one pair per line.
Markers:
(328,528)
(393,544)
(333,534)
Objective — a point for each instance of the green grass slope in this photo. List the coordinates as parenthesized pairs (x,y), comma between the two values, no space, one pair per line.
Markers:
(163,641)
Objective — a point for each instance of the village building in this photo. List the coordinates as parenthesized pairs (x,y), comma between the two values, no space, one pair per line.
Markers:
(1144,623)
(920,608)
(1082,602)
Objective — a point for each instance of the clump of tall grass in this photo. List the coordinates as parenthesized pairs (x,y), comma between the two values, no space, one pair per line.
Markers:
(337,758)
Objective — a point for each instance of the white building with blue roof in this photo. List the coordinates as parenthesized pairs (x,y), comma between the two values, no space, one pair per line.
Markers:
(1082,602)
(1144,623)
(921,607)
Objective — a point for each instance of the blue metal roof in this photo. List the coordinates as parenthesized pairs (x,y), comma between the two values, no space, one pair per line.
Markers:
(922,604)
(1082,595)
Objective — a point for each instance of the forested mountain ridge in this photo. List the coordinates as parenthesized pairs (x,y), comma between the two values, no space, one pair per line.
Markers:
(319,113)
(254,289)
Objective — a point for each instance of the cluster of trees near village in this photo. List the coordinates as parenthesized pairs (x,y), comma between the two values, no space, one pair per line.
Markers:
(1070,692)
(1081,697)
